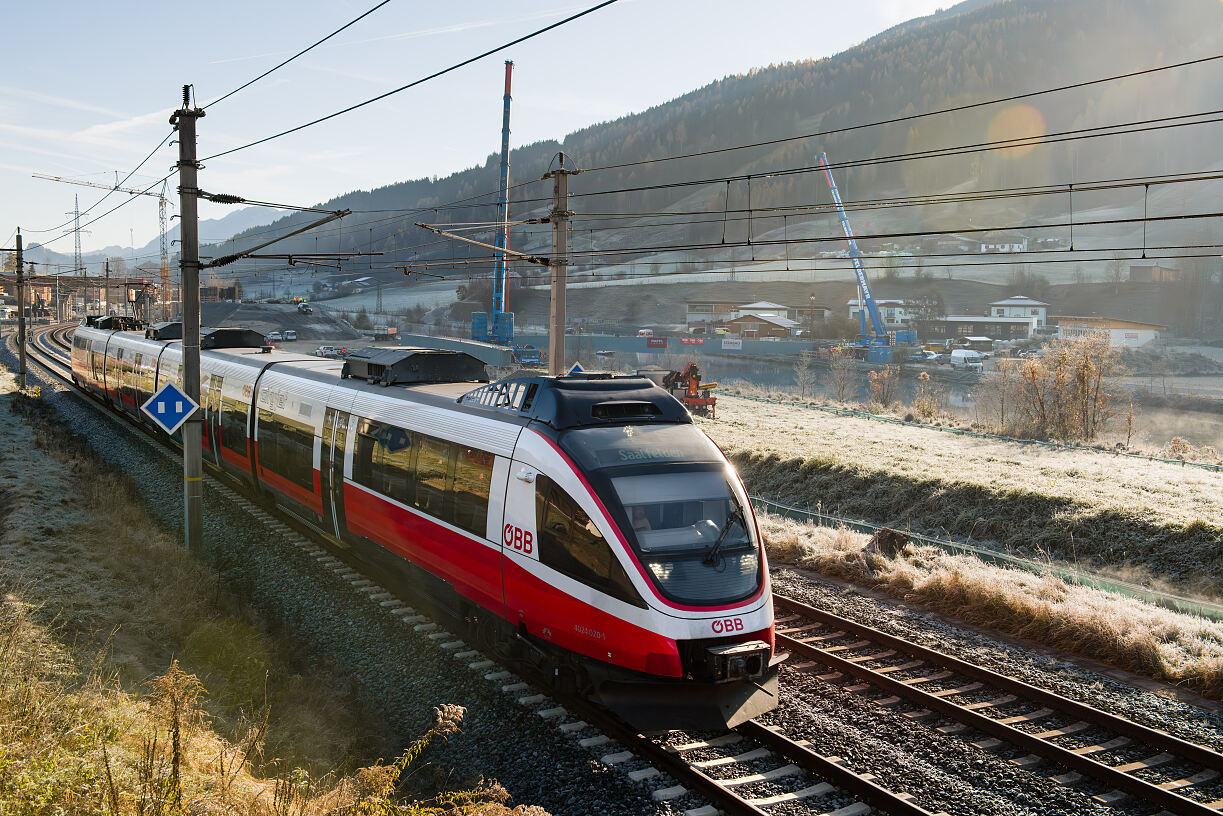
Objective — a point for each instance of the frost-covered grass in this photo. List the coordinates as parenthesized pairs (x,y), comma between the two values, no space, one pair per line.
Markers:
(1158,492)
(1079,620)
(1150,522)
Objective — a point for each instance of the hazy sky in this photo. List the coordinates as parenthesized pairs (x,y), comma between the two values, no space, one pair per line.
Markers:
(87,88)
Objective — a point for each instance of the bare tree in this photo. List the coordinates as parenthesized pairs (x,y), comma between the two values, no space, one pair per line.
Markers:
(841,374)
(804,373)
(1068,394)
(997,397)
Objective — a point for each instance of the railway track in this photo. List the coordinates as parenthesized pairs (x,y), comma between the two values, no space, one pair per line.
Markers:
(745,771)
(755,767)
(798,773)
(1129,758)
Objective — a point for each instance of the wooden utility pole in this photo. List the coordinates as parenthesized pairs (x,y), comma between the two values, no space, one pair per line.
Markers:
(183,121)
(559,218)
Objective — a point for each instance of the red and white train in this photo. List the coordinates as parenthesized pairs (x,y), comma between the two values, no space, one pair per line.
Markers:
(583,522)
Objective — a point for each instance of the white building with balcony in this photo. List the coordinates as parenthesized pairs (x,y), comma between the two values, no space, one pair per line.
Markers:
(1020,306)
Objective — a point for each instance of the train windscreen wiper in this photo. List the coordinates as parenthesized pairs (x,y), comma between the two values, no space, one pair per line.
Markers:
(712,554)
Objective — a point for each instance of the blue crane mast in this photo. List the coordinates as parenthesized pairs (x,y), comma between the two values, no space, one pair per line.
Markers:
(878,344)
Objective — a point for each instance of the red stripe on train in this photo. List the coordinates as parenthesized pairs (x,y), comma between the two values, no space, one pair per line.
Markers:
(472,568)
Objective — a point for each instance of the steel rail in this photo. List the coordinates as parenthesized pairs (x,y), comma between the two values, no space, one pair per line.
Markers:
(861,785)
(1169,799)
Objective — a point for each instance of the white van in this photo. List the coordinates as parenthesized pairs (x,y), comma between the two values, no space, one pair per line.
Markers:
(967,359)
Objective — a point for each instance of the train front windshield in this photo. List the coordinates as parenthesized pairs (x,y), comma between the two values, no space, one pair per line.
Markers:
(670,490)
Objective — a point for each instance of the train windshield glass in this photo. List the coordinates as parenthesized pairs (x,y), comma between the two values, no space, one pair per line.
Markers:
(681,513)
(691,534)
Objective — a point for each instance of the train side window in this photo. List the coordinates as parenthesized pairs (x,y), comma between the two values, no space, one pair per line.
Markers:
(473,472)
(286,449)
(233,425)
(382,460)
(570,543)
(433,464)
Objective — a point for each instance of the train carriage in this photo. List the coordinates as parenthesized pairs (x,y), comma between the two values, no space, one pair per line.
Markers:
(583,522)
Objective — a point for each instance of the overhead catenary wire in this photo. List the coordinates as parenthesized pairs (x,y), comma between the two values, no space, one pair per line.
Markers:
(417,82)
(246,85)
(915,116)
(131,173)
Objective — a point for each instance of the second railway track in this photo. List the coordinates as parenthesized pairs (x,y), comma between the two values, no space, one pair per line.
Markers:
(1053,728)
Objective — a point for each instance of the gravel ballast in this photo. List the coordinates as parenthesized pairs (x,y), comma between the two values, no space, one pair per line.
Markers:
(403,675)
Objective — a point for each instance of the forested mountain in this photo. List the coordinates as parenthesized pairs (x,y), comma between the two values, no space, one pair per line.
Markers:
(976,51)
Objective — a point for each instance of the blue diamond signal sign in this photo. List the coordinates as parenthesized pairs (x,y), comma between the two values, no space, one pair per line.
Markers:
(169,407)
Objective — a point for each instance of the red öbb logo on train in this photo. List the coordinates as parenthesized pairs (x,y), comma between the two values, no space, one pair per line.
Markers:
(518,539)
(727,625)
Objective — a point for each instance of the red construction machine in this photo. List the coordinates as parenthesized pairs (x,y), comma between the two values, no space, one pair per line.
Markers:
(686,387)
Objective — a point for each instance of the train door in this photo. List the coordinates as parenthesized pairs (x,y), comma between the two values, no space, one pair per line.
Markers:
(212,418)
(519,554)
(134,387)
(114,378)
(331,471)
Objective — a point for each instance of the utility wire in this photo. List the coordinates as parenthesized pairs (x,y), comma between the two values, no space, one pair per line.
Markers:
(298,54)
(420,81)
(1120,129)
(899,119)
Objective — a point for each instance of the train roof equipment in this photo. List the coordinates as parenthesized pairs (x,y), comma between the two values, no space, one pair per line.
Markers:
(412,366)
(211,337)
(573,401)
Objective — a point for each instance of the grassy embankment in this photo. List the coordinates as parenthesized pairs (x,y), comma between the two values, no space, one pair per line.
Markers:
(1078,620)
(1149,522)
(129,681)
(1153,523)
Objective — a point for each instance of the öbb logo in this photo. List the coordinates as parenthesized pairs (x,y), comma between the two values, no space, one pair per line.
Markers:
(727,625)
(519,539)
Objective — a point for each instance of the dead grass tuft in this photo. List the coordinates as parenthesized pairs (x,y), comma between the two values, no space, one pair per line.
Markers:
(1132,635)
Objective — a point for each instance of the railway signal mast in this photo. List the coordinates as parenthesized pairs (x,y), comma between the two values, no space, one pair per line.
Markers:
(502,329)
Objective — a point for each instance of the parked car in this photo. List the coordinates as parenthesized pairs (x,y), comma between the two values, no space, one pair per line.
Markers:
(289,334)
(274,337)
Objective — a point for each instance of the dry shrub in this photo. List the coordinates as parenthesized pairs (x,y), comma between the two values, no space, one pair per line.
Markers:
(1079,620)
(883,385)
(928,398)
(1068,394)
(1180,448)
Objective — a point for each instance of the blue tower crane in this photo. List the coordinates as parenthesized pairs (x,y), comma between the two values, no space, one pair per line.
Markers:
(878,344)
